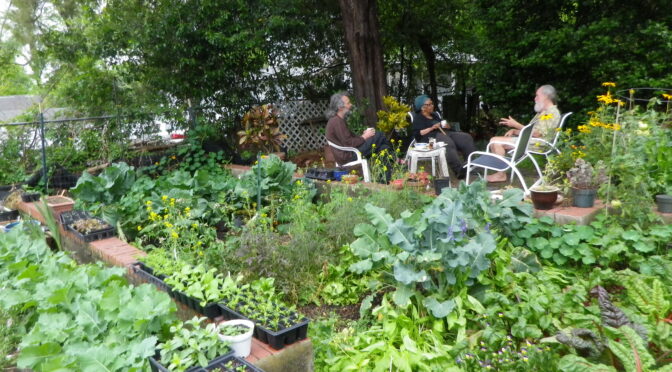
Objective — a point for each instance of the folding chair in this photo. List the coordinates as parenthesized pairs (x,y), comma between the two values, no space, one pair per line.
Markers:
(360,160)
(490,161)
(546,148)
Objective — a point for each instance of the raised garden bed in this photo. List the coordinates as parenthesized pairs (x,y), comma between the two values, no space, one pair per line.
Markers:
(86,227)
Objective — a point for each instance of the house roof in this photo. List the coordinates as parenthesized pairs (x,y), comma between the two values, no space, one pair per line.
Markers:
(13,106)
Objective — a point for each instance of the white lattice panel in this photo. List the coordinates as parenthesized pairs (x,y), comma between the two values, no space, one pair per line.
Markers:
(302,137)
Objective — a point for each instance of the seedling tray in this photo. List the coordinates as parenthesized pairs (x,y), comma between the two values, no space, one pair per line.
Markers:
(321,173)
(147,274)
(286,336)
(7,214)
(276,339)
(211,310)
(236,363)
(69,217)
(156,365)
(30,197)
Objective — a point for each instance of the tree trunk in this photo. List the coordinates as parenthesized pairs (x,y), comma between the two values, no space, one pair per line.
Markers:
(430,58)
(360,21)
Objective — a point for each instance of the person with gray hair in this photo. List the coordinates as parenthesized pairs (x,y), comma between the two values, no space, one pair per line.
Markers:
(545,122)
(337,131)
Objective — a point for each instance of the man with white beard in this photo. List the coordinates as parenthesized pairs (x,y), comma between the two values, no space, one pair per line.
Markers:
(545,122)
(369,142)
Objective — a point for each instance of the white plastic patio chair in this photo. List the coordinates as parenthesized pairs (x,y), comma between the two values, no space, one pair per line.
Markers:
(490,161)
(360,160)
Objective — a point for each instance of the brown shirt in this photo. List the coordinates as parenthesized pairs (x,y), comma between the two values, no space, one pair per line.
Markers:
(338,133)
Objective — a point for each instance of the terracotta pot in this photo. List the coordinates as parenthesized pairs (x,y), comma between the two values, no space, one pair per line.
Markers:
(350,179)
(397,184)
(544,199)
(59,204)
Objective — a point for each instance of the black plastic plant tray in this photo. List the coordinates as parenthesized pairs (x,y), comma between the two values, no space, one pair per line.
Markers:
(276,340)
(147,274)
(69,217)
(7,214)
(30,197)
(286,336)
(236,363)
(156,365)
(320,173)
(211,310)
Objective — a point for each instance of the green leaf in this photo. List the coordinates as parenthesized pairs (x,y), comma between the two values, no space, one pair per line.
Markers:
(402,296)
(361,266)
(522,260)
(439,309)
(406,273)
(576,363)
(34,356)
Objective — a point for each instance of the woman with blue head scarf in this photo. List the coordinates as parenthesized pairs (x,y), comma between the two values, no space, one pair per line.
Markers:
(427,124)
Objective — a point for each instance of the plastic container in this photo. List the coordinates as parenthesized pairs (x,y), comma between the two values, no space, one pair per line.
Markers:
(70,217)
(30,197)
(240,344)
(7,214)
(147,274)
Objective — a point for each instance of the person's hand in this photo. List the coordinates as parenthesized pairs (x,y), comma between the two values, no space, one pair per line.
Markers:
(436,126)
(509,122)
(368,133)
(511,133)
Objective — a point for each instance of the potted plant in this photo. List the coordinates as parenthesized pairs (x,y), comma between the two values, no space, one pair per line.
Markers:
(545,194)
(351,178)
(585,180)
(238,334)
(418,181)
(261,131)
(664,201)
(59,204)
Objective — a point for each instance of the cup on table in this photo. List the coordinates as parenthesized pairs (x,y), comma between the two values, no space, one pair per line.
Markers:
(444,124)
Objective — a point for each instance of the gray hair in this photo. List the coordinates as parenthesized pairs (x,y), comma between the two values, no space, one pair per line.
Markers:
(335,104)
(550,93)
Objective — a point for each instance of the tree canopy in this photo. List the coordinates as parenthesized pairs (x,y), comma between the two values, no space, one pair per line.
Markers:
(143,55)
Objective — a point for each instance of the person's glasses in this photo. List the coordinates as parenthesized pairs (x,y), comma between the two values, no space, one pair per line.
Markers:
(428,104)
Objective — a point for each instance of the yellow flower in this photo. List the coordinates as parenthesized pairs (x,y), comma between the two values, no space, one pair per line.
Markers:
(583,129)
(619,102)
(173,157)
(194,225)
(264,156)
(616,126)
(139,228)
(148,202)
(606,98)
(632,92)
(164,198)
(153,216)
(667,96)
(373,145)
(168,224)
(187,210)
(174,235)
(328,181)
(200,253)
(199,243)
(349,199)
(156,163)
(546,117)
(608,84)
